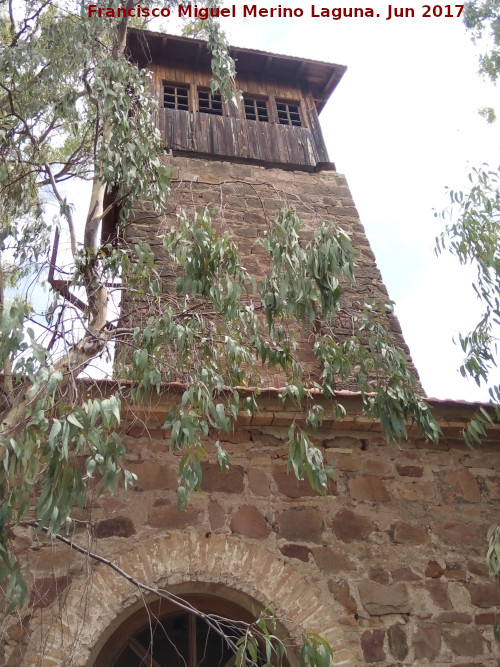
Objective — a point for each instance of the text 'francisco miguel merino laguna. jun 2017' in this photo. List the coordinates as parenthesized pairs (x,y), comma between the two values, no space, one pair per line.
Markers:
(388,12)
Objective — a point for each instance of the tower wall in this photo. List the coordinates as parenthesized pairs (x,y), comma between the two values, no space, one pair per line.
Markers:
(245,200)
(389,566)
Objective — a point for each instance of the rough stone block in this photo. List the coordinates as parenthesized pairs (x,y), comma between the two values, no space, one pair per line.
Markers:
(456,574)
(379,600)
(372,643)
(455,532)
(152,476)
(380,574)
(468,486)
(331,561)
(379,465)
(484,595)
(368,487)
(464,641)
(493,488)
(118,526)
(259,482)
(44,591)
(345,463)
(409,471)
(398,644)
(298,551)
(216,515)
(301,524)
(463,484)
(418,490)
(485,619)
(480,569)
(434,570)
(426,642)
(172,517)
(349,526)
(291,487)
(340,590)
(406,533)
(249,521)
(439,593)
(225,481)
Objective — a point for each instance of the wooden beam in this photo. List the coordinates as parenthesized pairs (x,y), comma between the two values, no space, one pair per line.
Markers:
(142,653)
(333,76)
(199,49)
(301,68)
(192,657)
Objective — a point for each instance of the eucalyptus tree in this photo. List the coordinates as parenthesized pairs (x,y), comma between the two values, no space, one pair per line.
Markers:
(472,234)
(73,107)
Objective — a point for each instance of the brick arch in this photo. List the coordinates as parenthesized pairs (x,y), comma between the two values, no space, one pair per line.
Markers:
(248,569)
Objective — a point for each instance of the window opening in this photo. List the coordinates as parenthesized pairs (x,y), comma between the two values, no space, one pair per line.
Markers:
(175,97)
(182,640)
(162,635)
(209,102)
(288,113)
(255,109)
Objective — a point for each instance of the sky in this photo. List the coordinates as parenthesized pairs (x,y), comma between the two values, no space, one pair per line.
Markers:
(402,125)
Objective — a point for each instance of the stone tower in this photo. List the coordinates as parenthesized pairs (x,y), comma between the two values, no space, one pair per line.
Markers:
(249,161)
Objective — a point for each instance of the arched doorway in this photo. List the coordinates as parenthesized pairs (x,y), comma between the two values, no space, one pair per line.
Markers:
(226,566)
(160,634)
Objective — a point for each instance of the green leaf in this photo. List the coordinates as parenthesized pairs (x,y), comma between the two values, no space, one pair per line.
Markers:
(72,419)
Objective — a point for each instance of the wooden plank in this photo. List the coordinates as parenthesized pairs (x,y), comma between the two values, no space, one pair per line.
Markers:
(252,140)
(215,122)
(316,133)
(293,144)
(185,132)
(267,142)
(306,147)
(260,142)
(142,653)
(162,125)
(242,130)
(230,147)
(198,138)
(168,130)
(283,153)
(233,136)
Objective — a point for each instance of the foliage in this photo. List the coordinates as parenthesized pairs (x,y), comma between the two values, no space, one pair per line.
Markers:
(493,561)
(91,118)
(482,18)
(473,237)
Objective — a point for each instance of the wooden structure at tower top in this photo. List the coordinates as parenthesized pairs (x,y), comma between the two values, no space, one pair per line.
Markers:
(275,123)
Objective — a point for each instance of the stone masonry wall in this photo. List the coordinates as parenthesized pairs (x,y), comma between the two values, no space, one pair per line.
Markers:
(246,200)
(396,548)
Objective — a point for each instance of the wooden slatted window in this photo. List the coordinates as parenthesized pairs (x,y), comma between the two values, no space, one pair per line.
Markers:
(209,102)
(255,109)
(175,97)
(288,113)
